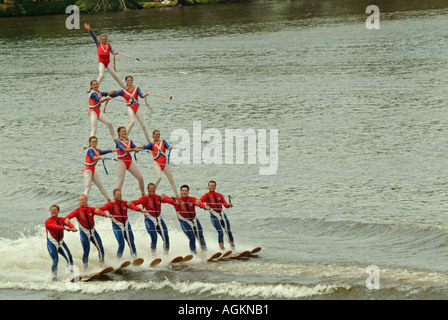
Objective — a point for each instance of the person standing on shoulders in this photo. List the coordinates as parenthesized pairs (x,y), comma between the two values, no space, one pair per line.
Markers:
(125,146)
(159,150)
(94,154)
(104,50)
(131,94)
(96,97)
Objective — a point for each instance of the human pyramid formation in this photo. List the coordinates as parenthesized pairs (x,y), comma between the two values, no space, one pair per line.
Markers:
(117,208)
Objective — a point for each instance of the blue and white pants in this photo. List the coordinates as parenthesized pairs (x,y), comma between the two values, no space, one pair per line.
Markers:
(157,225)
(54,249)
(88,236)
(221,224)
(122,233)
(193,230)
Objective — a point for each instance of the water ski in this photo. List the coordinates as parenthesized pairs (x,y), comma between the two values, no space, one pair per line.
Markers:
(124,264)
(98,274)
(91,277)
(214,256)
(255,250)
(187,258)
(106,270)
(177,259)
(138,262)
(240,255)
(225,254)
(155,262)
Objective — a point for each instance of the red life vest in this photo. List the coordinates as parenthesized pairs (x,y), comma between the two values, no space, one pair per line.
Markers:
(93,104)
(103,54)
(159,153)
(119,210)
(85,216)
(153,204)
(186,208)
(125,156)
(130,97)
(55,227)
(215,201)
(89,161)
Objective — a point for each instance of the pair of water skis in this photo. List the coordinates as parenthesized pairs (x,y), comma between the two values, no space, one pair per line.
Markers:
(180,259)
(246,254)
(228,255)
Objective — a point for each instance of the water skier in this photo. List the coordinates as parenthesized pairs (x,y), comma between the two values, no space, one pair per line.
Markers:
(153,220)
(189,223)
(120,222)
(55,227)
(216,202)
(85,216)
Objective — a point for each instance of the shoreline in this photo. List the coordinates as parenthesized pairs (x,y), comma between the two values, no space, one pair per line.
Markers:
(27,8)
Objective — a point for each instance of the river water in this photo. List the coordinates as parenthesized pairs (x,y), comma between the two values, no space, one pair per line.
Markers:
(354,166)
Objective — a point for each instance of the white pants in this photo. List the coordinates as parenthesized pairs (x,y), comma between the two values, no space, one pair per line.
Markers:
(134,170)
(104,119)
(139,116)
(88,183)
(110,68)
(168,173)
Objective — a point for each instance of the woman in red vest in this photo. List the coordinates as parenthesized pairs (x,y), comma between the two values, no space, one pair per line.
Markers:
(104,50)
(94,154)
(131,94)
(160,151)
(96,97)
(125,146)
